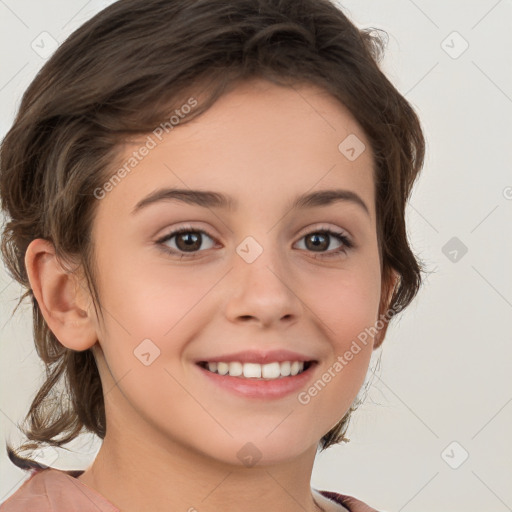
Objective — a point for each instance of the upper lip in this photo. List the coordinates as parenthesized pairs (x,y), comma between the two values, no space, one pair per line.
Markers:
(258,356)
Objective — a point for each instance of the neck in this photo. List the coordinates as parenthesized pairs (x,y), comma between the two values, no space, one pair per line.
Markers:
(143,475)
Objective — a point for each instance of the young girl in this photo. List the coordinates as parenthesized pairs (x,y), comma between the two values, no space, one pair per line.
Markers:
(205,203)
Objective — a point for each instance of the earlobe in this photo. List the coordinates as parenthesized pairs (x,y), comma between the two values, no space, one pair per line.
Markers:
(57,291)
(388,288)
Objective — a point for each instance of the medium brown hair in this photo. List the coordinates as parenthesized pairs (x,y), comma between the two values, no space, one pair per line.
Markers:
(118,76)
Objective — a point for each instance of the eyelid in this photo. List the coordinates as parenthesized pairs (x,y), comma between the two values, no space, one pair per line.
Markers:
(183,229)
(323,227)
(304,231)
(345,238)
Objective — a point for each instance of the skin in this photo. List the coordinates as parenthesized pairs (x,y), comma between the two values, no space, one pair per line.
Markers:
(172,437)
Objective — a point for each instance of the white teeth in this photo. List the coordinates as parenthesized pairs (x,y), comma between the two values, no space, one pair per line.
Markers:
(296,367)
(269,371)
(252,370)
(235,369)
(285,368)
(222,368)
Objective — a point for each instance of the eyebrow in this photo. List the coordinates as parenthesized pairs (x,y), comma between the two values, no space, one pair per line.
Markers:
(208,199)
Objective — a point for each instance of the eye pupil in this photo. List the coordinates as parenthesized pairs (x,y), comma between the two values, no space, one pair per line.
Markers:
(192,241)
(315,238)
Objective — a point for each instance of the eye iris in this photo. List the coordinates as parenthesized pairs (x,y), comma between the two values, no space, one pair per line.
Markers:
(191,239)
(315,241)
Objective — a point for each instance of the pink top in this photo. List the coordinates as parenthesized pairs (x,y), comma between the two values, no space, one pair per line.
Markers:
(55,490)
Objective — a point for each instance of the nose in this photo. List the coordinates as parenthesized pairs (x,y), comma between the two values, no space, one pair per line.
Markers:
(262,292)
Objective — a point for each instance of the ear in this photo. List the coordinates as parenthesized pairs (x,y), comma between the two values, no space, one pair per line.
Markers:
(62,299)
(388,287)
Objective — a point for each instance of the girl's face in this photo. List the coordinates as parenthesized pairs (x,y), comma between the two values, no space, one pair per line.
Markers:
(253,279)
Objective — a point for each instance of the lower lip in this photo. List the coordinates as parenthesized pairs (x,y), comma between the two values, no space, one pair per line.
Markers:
(260,388)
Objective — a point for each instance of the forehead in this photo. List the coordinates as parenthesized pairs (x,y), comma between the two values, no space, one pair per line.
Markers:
(260,144)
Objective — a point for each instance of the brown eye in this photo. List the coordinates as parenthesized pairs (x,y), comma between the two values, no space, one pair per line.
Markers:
(317,241)
(186,240)
(190,241)
(320,242)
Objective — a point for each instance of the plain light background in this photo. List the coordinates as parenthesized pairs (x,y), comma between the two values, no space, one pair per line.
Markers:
(434,433)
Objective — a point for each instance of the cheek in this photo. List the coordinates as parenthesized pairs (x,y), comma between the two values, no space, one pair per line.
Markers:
(148,300)
(345,305)
(346,301)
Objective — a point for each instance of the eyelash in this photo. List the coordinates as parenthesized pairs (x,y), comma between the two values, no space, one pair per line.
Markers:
(347,243)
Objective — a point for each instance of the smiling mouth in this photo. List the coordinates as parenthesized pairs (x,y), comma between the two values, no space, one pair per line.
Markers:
(269,371)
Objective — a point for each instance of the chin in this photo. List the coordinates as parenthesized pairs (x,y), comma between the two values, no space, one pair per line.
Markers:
(255,448)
